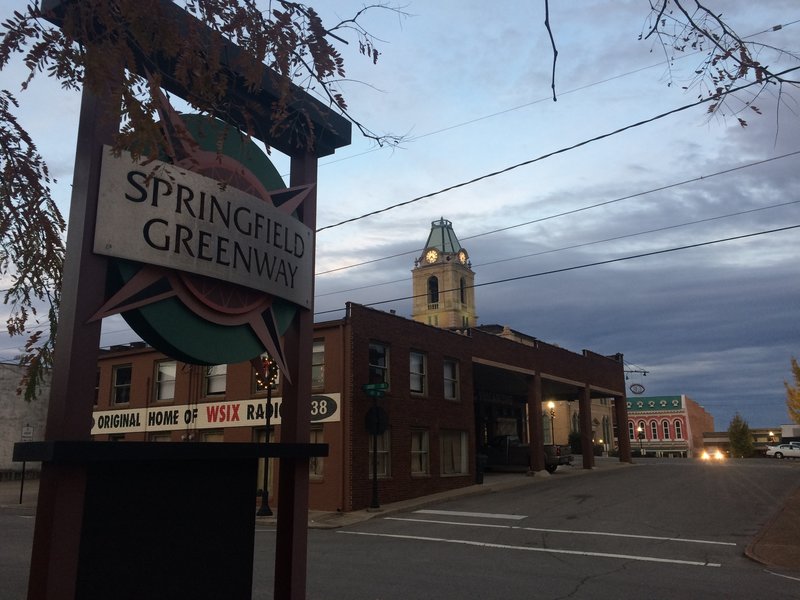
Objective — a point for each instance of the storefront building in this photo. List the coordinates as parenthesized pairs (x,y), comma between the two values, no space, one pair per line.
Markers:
(667,425)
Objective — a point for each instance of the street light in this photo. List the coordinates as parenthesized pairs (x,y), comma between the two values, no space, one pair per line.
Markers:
(640,429)
(266,376)
(551,406)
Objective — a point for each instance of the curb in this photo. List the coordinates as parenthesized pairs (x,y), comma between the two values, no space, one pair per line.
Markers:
(775,545)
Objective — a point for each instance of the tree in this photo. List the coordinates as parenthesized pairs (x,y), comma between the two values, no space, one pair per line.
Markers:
(96,35)
(793,393)
(740,437)
(729,77)
(291,39)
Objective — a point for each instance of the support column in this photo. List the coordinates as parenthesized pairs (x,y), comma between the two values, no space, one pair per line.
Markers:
(291,551)
(585,404)
(59,511)
(621,416)
(535,429)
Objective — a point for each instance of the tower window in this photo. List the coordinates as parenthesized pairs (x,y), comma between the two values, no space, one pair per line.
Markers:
(463,289)
(433,290)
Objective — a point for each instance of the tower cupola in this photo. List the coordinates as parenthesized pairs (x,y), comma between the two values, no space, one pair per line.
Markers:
(443,281)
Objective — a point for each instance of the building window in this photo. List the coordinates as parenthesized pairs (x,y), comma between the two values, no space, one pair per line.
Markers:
(97,387)
(384,455)
(641,431)
(318,364)
(315,462)
(420,464)
(547,426)
(463,289)
(215,379)
(631,431)
(665,429)
(454,452)
(165,380)
(417,368)
(159,437)
(378,363)
(433,291)
(653,430)
(121,392)
(678,430)
(450,379)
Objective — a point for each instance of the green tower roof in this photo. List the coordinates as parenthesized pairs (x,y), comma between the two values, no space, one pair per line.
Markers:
(442,237)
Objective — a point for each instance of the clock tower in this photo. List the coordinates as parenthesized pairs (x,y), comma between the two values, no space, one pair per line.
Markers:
(443,281)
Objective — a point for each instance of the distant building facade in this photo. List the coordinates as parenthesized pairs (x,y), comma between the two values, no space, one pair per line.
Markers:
(20,420)
(667,425)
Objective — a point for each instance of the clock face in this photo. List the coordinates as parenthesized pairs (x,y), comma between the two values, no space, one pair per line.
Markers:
(462,256)
(431,255)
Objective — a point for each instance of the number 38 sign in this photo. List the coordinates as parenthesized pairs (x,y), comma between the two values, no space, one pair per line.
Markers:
(324,408)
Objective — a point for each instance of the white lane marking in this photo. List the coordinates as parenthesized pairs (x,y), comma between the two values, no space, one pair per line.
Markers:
(458,513)
(572,531)
(781,575)
(691,563)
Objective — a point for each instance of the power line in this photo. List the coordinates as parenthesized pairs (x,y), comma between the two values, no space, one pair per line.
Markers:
(577,210)
(584,244)
(543,99)
(587,265)
(547,155)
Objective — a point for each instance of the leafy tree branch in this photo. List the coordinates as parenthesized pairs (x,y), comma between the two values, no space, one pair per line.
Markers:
(95,37)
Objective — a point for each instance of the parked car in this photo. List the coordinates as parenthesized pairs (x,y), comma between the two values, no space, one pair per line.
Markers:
(784,451)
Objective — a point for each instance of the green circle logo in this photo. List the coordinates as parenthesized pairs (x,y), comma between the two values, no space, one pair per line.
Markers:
(191,317)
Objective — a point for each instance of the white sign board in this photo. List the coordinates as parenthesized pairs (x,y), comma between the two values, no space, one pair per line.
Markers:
(162,215)
(208,415)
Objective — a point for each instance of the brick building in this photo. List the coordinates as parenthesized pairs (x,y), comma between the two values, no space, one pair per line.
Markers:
(448,392)
(667,425)
(450,387)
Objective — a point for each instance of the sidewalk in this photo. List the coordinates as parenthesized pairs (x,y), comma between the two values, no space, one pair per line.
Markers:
(777,545)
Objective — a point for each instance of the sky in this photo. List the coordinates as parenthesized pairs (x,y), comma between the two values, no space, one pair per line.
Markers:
(582,248)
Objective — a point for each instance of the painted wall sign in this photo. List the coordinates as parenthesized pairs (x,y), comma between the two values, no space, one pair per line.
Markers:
(161,215)
(207,415)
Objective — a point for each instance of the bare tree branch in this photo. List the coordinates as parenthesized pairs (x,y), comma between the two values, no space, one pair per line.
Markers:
(553,44)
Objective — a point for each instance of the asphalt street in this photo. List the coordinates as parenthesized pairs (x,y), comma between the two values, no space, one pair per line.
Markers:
(658,529)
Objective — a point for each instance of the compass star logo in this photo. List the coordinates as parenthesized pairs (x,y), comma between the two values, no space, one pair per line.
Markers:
(191,316)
